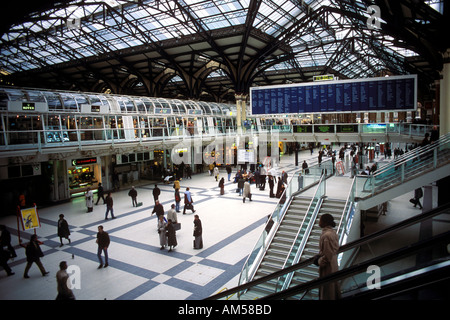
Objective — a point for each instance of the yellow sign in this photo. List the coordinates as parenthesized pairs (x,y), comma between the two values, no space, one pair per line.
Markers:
(30,219)
(327,77)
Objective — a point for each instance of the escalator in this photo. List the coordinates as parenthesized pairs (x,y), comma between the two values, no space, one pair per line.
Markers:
(415,264)
(296,236)
(412,170)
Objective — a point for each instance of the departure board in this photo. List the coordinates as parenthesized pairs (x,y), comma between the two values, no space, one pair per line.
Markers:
(395,93)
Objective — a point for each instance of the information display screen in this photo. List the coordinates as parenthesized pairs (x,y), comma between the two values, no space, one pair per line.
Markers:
(395,93)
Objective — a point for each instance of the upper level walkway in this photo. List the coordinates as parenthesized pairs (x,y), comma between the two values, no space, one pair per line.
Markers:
(60,140)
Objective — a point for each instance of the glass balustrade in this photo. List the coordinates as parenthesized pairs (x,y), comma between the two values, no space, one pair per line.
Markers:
(405,249)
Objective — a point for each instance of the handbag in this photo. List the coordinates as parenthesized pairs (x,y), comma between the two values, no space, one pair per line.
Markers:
(177,226)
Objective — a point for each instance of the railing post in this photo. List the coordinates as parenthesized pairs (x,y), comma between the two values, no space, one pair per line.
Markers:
(403,172)
(435,157)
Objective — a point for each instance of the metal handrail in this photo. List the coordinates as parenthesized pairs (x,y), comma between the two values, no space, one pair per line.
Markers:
(272,234)
(348,246)
(302,245)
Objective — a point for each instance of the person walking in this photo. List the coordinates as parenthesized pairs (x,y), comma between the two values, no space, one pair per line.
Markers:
(4,257)
(327,257)
(34,254)
(89,196)
(100,193)
(156,192)
(222,186)
(63,229)
(159,210)
(171,235)
(109,206)
(240,185)
(188,201)
(62,279)
(229,170)
(133,194)
(305,167)
(5,241)
(271,185)
(177,200)
(188,172)
(418,194)
(247,191)
(198,233)
(216,173)
(162,232)
(103,242)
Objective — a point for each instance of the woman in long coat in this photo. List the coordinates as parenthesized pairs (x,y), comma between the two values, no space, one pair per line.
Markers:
(198,232)
(222,186)
(247,192)
(63,229)
(162,232)
(328,248)
(171,236)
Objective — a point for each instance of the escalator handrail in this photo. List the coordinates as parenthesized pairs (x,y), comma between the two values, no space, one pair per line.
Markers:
(303,242)
(394,228)
(413,154)
(282,213)
(341,274)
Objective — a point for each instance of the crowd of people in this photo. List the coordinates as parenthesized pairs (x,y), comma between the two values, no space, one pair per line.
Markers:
(167,223)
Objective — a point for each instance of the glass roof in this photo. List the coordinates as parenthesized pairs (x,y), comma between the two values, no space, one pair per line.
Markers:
(74,31)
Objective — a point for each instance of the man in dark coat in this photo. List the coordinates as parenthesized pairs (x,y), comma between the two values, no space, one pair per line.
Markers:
(63,229)
(156,192)
(34,253)
(103,244)
(133,194)
(159,210)
(240,185)
(100,193)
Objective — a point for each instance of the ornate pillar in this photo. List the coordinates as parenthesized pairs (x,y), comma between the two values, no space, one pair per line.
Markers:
(444,105)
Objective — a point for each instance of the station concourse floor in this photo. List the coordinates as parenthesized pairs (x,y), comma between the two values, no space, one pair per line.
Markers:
(138,269)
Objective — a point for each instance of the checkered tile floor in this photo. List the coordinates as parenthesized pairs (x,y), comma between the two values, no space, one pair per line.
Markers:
(138,269)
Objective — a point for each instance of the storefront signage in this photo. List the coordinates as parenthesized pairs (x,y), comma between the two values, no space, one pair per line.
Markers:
(80,162)
(95,108)
(28,106)
(327,77)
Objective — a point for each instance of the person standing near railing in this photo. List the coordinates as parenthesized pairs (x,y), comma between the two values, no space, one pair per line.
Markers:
(327,257)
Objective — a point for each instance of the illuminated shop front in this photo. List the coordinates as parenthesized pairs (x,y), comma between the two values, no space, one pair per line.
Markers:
(83,174)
